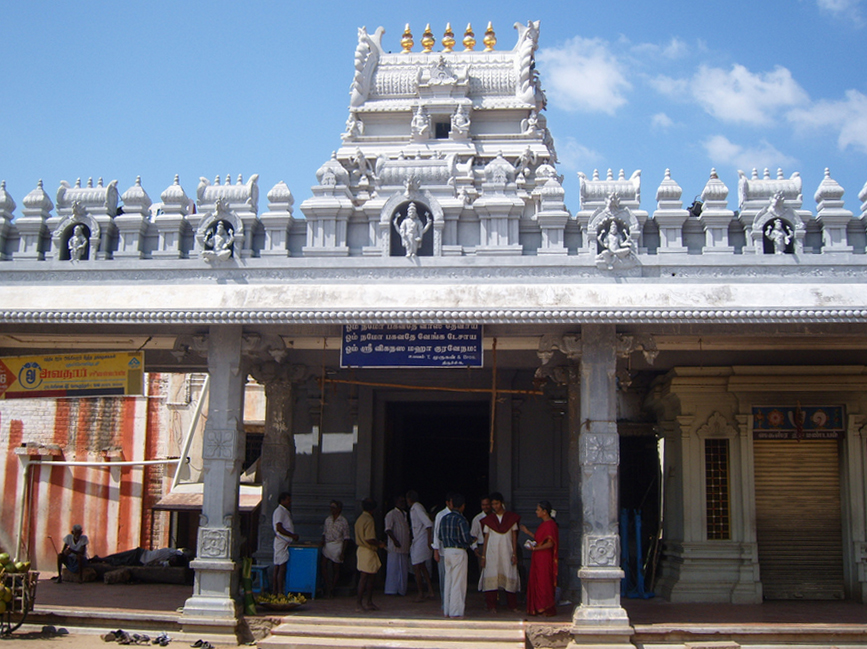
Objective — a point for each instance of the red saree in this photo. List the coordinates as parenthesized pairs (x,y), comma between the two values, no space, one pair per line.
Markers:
(542,584)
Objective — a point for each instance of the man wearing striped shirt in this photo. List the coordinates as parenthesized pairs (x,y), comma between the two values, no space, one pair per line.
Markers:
(455,540)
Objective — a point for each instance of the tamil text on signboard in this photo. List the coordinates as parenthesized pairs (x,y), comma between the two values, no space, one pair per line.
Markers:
(72,375)
(411,346)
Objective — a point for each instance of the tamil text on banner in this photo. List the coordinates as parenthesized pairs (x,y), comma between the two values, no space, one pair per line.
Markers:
(91,374)
(411,346)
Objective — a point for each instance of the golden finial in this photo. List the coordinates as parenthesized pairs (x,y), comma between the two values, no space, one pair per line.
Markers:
(427,40)
(490,38)
(469,39)
(406,41)
(448,38)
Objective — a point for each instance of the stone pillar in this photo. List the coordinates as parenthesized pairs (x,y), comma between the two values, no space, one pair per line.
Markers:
(278,447)
(576,506)
(600,620)
(212,607)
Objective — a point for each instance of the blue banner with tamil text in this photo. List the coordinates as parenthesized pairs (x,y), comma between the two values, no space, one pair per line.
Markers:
(411,346)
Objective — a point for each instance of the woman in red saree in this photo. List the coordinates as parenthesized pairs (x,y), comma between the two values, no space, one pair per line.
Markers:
(542,584)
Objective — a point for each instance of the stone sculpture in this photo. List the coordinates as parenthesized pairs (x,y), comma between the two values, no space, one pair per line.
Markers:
(411,229)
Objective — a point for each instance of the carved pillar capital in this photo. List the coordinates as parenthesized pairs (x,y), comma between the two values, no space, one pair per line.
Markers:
(553,367)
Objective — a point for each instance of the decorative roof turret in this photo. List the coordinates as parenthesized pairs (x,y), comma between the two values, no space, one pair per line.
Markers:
(175,199)
(277,221)
(332,173)
(862,196)
(832,214)
(132,225)
(96,201)
(7,205)
(670,215)
(715,215)
(136,199)
(754,192)
(37,203)
(31,225)
(241,197)
(595,192)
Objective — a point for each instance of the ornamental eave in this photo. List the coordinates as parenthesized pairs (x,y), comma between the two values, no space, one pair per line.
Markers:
(551,316)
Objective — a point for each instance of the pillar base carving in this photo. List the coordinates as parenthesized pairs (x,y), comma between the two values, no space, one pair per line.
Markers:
(212,609)
(600,621)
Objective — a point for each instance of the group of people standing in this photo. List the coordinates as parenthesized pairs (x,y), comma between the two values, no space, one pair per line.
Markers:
(415,541)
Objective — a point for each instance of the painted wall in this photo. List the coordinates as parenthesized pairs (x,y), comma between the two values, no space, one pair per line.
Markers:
(112,505)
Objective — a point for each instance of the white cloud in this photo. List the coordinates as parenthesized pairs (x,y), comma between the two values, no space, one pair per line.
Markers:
(661,121)
(574,156)
(584,75)
(741,96)
(669,86)
(849,9)
(847,116)
(722,151)
(674,49)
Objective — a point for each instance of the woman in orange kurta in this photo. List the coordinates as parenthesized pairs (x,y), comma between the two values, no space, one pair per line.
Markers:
(542,584)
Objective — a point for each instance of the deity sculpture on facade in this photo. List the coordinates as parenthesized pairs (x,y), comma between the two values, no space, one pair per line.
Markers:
(526,162)
(77,244)
(420,124)
(362,173)
(613,243)
(411,229)
(530,124)
(218,242)
(460,123)
(779,234)
(354,127)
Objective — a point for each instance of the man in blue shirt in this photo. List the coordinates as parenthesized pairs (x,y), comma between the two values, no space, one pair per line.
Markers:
(455,540)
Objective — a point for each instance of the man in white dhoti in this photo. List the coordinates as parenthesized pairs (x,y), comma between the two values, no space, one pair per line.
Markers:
(454,541)
(420,551)
(284,534)
(500,555)
(435,544)
(335,537)
(397,567)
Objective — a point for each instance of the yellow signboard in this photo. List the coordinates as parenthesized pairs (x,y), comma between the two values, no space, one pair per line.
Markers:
(92,374)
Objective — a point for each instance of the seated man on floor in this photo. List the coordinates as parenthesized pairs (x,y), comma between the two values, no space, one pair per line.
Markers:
(73,556)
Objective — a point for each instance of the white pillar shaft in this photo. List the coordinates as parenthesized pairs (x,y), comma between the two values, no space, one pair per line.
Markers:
(212,605)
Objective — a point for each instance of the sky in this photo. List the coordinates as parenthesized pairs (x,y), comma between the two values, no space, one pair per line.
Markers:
(153,89)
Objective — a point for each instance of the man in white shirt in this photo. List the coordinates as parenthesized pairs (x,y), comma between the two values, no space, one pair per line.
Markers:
(476,529)
(397,529)
(335,537)
(420,551)
(284,534)
(73,555)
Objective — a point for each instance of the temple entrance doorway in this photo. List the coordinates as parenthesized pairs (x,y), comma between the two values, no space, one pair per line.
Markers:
(435,447)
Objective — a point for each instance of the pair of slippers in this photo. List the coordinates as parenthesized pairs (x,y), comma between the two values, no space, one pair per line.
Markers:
(202,644)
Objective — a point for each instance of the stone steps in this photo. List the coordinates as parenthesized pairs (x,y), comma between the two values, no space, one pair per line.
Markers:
(389,633)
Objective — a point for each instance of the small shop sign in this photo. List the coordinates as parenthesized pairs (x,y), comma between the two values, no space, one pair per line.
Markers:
(91,374)
(799,422)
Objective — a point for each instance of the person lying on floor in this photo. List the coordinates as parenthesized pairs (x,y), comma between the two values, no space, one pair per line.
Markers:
(142,557)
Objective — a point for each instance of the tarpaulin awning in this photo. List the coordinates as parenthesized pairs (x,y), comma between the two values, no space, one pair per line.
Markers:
(188,498)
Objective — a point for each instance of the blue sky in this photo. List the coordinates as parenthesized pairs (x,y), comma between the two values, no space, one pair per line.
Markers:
(156,89)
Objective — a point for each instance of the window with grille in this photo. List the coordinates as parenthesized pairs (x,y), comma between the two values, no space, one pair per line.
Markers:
(716,471)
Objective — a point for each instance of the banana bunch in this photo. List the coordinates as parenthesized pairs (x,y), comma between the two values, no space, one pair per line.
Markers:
(291,598)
